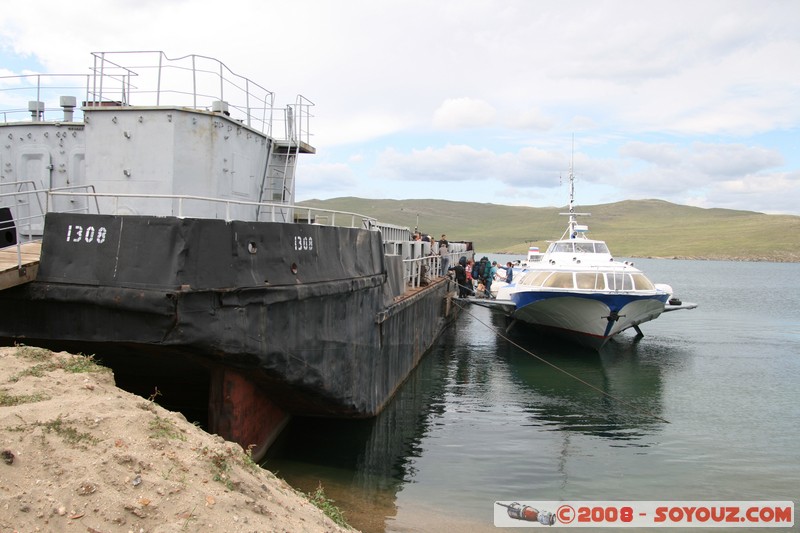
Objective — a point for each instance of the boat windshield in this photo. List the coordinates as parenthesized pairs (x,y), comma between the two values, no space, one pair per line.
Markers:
(620,281)
(585,247)
(591,281)
(641,283)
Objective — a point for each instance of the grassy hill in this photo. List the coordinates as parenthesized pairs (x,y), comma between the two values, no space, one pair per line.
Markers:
(633,228)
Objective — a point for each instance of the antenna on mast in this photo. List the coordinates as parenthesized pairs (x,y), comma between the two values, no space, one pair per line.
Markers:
(572,225)
(572,179)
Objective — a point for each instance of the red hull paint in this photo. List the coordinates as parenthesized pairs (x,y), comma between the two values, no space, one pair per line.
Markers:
(241,412)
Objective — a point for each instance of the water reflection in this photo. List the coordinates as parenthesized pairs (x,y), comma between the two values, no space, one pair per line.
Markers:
(363,463)
(629,406)
(477,400)
(481,420)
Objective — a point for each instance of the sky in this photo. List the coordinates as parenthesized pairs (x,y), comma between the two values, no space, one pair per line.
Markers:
(693,102)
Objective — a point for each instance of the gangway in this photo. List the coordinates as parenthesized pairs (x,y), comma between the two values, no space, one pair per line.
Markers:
(19,263)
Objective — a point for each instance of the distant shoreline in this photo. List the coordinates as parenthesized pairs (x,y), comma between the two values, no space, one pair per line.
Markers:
(631,228)
(731,259)
(694,258)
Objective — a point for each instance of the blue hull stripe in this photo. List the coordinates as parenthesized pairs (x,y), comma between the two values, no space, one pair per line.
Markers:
(614,301)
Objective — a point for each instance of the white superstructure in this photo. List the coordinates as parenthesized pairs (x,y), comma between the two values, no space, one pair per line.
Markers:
(224,139)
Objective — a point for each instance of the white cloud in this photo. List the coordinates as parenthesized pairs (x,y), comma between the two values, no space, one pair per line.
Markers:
(733,159)
(457,113)
(356,127)
(451,163)
(768,193)
(531,118)
(527,168)
(665,96)
(661,154)
(714,161)
(315,180)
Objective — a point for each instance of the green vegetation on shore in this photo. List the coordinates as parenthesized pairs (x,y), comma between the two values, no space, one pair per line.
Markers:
(632,228)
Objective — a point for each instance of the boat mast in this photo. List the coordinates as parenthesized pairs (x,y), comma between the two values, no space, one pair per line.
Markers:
(573,221)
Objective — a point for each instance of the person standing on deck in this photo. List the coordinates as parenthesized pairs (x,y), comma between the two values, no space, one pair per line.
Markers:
(470,278)
(461,277)
(489,277)
(443,251)
(509,272)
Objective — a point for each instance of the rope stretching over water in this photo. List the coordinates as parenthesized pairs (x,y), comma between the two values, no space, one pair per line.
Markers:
(573,376)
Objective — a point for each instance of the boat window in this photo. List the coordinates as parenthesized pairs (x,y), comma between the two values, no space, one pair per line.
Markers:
(590,280)
(534,279)
(641,283)
(565,247)
(584,247)
(560,280)
(601,248)
(620,281)
(540,277)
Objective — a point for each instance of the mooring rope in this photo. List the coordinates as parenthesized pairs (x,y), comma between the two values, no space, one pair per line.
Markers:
(622,401)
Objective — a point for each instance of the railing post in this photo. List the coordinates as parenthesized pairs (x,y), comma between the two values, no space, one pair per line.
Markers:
(158,83)
(222,85)
(99,96)
(86,96)
(194,83)
(38,92)
(247,99)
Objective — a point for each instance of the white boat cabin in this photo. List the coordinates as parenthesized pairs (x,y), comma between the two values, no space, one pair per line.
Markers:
(612,279)
(578,251)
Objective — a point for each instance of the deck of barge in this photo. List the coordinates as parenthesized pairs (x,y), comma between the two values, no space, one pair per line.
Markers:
(19,264)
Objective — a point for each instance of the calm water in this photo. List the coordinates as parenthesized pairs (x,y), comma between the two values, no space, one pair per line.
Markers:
(482,420)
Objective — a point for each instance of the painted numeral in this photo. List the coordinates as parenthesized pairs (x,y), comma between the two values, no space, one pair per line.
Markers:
(89,234)
(303,243)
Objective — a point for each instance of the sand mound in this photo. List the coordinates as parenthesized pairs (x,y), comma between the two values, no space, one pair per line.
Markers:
(79,454)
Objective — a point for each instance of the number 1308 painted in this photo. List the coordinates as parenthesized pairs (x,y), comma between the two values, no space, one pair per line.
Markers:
(76,233)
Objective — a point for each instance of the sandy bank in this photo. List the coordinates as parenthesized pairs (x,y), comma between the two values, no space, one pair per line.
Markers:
(79,454)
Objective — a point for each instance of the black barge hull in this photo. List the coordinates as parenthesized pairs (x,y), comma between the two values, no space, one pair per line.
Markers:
(281,318)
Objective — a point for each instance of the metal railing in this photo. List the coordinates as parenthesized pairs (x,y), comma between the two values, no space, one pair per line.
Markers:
(415,270)
(312,215)
(182,204)
(19,91)
(23,201)
(144,78)
(420,269)
(151,78)
(298,120)
(430,266)
(19,242)
(23,226)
